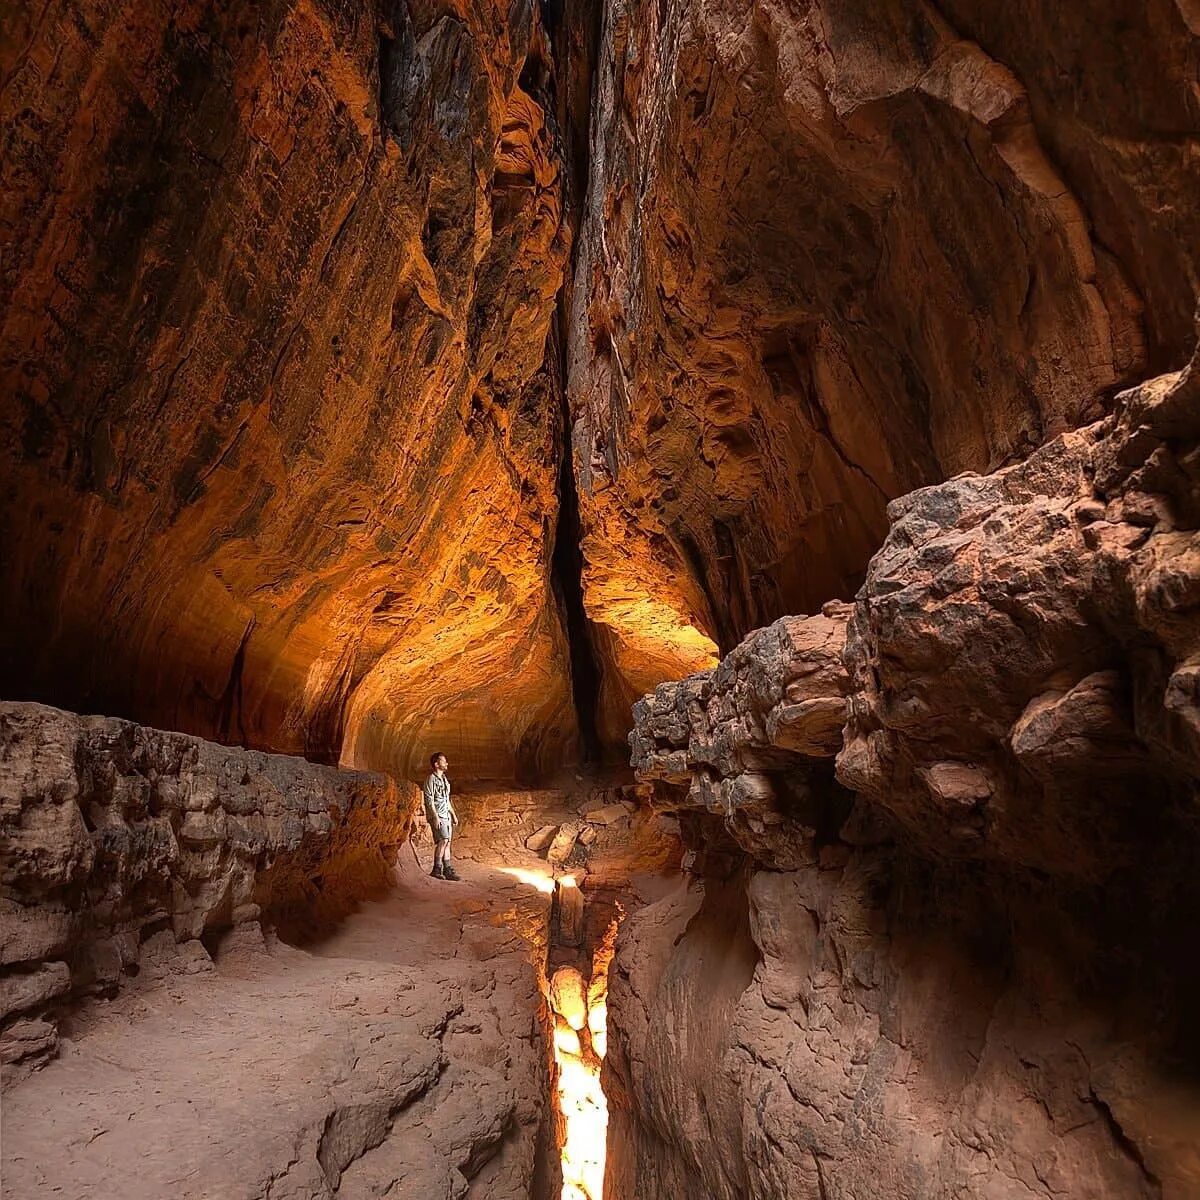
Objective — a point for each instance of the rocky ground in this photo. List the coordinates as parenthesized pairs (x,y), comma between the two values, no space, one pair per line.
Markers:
(409,1045)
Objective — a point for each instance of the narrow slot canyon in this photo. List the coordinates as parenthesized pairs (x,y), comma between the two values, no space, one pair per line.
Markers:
(756,442)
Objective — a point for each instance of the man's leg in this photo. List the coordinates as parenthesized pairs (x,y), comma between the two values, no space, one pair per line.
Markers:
(448,871)
(439,858)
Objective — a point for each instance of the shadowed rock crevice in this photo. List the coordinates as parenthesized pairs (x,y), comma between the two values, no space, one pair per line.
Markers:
(567,566)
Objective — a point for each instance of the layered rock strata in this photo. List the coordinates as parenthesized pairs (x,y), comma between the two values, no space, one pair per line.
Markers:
(291,308)
(956,966)
(834,251)
(281,447)
(122,845)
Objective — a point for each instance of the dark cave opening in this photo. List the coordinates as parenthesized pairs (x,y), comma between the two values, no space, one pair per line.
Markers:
(566,568)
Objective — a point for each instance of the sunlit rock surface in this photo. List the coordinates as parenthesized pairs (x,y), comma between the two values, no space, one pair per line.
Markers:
(279,452)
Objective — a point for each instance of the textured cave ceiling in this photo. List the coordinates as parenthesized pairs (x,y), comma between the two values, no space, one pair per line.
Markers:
(305,306)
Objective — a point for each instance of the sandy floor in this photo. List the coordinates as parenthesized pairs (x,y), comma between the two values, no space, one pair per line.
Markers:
(406,1047)
(405,1055)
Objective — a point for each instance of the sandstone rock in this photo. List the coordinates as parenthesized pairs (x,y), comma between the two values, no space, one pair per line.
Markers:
(309,1074)
(542,839)
(319,441)
(609,814)
(832,253)
(29,935)
(27,1041)
(247,409)
(564,842)
(984,929)
(102,845)
(753,738)
(569,912)
(877,1044)
(566,1040)
(952,783)
(568,996)
(778,697)
(33,989)
(1012,657)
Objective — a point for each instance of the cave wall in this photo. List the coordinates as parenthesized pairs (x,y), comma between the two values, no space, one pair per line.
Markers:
(948,941)
(834,251)
(280,449)
(123,848)
(305,304)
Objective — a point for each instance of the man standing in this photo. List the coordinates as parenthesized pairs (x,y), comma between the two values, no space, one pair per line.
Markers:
(442,818)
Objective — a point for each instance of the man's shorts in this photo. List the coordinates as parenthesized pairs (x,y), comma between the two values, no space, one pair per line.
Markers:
(441,829)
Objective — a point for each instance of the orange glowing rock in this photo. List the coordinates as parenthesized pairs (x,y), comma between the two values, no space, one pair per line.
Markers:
(568,997)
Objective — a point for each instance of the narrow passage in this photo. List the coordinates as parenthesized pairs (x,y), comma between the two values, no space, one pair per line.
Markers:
(408,1052)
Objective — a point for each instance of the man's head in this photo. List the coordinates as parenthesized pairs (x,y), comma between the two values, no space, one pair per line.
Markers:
(438,761)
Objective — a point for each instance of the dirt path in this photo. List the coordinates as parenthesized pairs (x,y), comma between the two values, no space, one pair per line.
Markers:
(405,1047)
(404,1055)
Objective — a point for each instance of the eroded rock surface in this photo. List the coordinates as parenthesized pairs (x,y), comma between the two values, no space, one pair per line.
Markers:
(836,250)
(408,1049)
(965,978)
(1025,648)
(752,740)
(280,446)
(121,846)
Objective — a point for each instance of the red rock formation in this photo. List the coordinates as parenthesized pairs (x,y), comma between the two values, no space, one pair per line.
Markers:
(280,459)
(120,843)
(970,979)
(1024,649)
(445,375)
(318,1074)
(834,251)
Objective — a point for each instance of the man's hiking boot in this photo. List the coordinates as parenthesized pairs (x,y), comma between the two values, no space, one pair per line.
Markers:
(437,872)
(448,872)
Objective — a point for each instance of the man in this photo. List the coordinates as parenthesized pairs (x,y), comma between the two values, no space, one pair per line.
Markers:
(442,818)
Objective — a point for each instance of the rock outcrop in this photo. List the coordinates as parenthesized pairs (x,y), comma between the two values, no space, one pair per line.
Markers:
(122,845)
(281,448)
(834,251)
(957,966)
(1026,648)
(753,741)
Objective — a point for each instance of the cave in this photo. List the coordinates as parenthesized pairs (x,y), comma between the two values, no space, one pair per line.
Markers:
(758,444)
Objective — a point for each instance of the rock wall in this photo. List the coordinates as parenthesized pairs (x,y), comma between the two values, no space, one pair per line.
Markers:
(959,966)
(281,450)
(120,845)
(836,250)
(294,297)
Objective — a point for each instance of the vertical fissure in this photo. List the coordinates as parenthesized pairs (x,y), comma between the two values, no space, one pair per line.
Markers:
(566,565)
(581,948)
(574,33)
